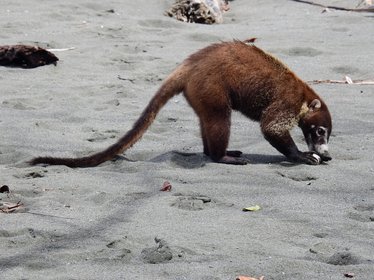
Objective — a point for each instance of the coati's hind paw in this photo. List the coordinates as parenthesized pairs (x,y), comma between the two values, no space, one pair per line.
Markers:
(234,153)
(232,160)
(308,158)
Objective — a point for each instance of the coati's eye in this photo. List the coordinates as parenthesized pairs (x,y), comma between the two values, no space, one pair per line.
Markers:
(321,131)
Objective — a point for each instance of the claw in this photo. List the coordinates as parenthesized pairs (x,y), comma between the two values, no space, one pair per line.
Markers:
(317,157)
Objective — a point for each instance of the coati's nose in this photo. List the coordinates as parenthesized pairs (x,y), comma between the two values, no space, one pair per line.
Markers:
(326,156)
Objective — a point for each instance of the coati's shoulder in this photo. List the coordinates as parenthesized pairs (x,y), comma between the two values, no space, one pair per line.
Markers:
(269,58)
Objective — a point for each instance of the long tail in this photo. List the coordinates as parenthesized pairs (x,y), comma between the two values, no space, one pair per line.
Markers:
(173,85)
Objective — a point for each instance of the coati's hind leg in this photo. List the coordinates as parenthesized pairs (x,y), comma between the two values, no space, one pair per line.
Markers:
(204,138)
(206,146)
(215,132)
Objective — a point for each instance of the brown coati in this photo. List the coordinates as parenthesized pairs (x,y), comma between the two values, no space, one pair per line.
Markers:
(233,76)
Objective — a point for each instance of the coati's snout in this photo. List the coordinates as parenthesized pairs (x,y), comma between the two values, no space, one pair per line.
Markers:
(317,138)
(316,127)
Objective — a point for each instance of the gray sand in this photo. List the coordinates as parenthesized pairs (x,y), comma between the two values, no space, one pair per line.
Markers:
(316,222)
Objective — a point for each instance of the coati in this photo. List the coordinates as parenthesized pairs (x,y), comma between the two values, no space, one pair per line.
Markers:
(233,76)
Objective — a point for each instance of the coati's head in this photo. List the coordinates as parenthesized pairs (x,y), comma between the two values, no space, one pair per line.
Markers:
(316,127)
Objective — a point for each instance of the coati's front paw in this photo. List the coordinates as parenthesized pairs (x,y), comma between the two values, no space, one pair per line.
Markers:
(325,156)
(307,157)
(311,158)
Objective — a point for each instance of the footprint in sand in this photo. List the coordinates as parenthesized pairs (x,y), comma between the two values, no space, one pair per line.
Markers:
(20,238)
(204,37)
(345,70)
(187,160)
(343,258)
(302,51)
(334,255)
(192,202)
(320,234)
(339,29)
(32,175)
(156,24)
(18,104)
(298,52)
(108,105)
(362,213)
(297,176)
(10,155)
(111,32)
(183,160)
(158,254)
(26,232)
(115,250)
(101,137)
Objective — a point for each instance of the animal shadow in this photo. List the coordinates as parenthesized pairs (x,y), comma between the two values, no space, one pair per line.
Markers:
(196,160)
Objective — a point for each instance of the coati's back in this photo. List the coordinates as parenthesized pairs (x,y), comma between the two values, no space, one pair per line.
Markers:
(244,74)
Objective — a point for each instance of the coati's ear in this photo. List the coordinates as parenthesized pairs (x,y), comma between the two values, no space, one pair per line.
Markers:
(314,105)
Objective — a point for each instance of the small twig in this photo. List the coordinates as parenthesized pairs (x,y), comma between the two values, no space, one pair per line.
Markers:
(61,50)
(126,79)
(351,82)
(48,215)
(371,10)
(18,204)
(9,207)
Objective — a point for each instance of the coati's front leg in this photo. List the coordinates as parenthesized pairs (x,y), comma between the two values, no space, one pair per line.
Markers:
(276,130)
(285,144)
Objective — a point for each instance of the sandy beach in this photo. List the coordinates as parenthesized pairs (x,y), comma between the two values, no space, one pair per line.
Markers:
(112,221)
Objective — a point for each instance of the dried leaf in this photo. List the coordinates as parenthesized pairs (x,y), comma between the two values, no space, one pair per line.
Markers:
(249,278)
(166,187)
(252,208)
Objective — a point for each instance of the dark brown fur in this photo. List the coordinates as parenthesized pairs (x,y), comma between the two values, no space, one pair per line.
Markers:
(221,78)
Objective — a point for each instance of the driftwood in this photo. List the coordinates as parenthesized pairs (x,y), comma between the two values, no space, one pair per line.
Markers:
(9,207)
(4,189)
(369,9)
(198,11)
(25,56)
